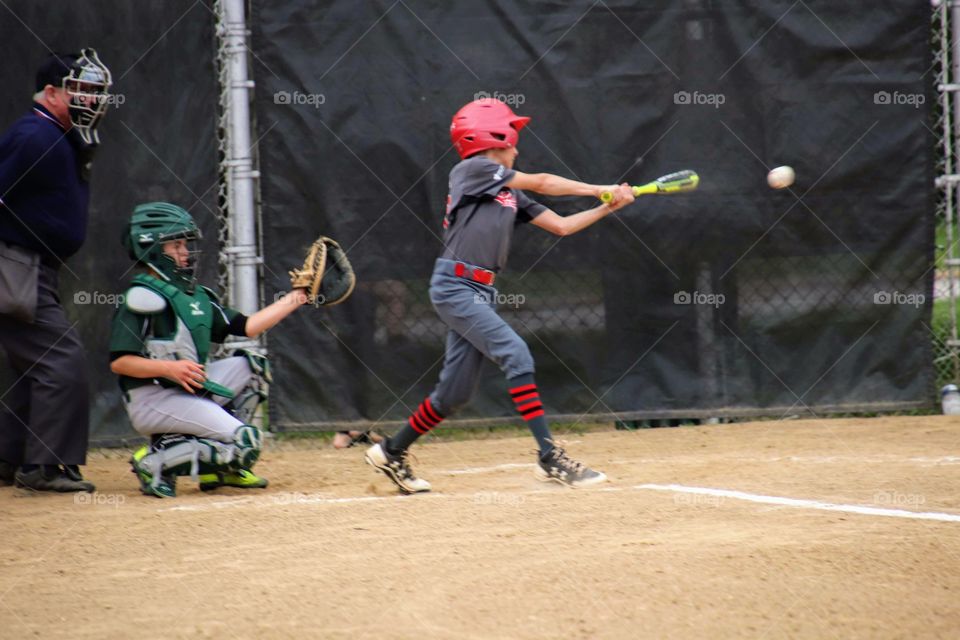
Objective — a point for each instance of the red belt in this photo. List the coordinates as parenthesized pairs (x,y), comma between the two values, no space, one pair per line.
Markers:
(483,276)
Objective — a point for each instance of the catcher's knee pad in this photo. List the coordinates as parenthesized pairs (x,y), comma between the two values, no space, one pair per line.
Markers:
(244,406)
(259,364)
(247,443)
(181,455)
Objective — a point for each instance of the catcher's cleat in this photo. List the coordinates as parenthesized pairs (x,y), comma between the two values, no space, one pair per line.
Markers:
(241,479)
(557,466)
(396,467)
(166,487)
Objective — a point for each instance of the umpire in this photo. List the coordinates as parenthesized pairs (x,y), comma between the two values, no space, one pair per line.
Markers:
(44,194)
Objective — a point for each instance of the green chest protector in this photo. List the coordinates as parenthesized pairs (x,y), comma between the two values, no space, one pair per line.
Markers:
(194,325)
(195,311)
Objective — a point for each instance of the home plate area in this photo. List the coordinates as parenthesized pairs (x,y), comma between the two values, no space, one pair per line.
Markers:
(818,528)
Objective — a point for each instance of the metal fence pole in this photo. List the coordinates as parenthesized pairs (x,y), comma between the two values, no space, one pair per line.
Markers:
(240,253)
(243,246)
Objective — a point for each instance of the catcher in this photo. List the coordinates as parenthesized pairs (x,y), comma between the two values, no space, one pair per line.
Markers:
(197,413)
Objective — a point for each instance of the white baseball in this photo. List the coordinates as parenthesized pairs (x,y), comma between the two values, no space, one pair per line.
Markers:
(781,177)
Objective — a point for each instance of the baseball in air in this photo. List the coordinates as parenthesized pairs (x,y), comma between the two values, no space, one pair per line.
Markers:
(781,177)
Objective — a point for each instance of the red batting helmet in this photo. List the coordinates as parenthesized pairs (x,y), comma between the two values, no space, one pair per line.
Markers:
(485,124)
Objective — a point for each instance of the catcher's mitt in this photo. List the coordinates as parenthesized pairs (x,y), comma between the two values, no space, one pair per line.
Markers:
(326,274)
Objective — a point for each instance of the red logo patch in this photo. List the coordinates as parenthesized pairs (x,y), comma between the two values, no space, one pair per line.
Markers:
(507,199)
(446,215)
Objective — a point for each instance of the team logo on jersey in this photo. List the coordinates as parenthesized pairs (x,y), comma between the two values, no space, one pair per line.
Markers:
(499,173)
(446,215)
(507,199)
(195,309)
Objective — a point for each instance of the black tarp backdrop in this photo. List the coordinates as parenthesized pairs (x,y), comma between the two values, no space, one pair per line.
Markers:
(368,166)
(159,144)
(354,101)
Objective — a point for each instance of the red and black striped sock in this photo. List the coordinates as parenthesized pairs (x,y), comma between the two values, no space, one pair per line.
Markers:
(526,399)
(424,418)
(419,423)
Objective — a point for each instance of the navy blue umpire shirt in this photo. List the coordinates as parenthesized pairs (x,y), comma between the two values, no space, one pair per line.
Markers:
(43,200)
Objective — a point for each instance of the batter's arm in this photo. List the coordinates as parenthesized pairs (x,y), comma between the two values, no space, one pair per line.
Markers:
(552,185)
(568,225)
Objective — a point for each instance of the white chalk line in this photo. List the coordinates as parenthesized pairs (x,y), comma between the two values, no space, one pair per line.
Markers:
(500,497)
(291,498)
(498,467)
(886,459)
(805,504)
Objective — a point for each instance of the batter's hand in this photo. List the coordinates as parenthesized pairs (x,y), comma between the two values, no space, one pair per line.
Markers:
(187,373)
(612,189)
(622,196)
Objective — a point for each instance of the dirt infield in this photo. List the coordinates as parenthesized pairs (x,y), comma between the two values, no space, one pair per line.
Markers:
(329,551)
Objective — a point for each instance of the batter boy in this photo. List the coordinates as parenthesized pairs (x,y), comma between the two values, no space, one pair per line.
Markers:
(485,201)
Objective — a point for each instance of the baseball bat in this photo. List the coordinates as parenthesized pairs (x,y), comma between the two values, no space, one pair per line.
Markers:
(678,182)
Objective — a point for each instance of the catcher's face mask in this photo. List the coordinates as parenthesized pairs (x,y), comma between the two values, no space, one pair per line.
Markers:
(184,253)
(88,86)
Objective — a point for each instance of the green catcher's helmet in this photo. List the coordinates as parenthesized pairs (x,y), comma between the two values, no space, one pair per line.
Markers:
(151,225)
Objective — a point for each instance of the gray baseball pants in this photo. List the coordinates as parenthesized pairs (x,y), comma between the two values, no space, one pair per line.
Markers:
(157,410)
(476,332)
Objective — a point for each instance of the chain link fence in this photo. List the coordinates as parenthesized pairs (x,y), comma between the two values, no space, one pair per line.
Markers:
(223,145)
(944,321)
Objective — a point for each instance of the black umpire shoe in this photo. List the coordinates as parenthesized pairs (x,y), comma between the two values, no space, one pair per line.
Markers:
(7,471)
(51,477)
(72,471)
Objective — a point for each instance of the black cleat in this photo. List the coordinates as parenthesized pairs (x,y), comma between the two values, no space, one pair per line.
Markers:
(557,466)
(396,467)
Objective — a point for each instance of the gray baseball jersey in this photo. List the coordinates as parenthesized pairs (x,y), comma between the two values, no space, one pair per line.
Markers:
(482,213)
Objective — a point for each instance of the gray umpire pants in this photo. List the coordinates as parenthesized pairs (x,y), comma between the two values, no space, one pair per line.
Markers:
(157,410)
(45,413)
(475,332)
